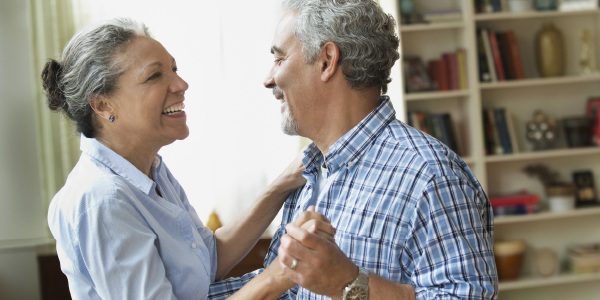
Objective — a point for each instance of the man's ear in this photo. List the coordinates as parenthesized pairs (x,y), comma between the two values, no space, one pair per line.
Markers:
(102,107)
(329,57)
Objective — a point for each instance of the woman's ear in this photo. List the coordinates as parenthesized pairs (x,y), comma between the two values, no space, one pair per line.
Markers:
(329,57)
(102,107)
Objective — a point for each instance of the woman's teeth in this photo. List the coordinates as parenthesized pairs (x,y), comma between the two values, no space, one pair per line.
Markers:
(177,108)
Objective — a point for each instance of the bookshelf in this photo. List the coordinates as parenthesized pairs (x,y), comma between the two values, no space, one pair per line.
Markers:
(561,97)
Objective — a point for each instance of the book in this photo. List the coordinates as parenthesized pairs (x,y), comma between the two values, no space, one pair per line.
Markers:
(505,57)
(449,132)
(488,134)
(416,77)
(452,68)
(482,63)
(438,73)
(515,55)
(512,130)
(485,36)
(496,55)
(501,125)
(498,149)
(496,5)
(515,204)
(461,63)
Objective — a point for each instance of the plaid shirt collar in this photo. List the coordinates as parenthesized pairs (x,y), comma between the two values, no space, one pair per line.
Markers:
(348,148)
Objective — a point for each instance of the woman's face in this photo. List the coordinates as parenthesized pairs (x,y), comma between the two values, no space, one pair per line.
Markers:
(148,102)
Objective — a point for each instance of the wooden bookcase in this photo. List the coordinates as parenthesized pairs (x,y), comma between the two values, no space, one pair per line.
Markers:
(561,97)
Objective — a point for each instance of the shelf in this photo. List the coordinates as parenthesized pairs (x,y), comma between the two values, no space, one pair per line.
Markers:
(24,243)
(547,281)
(431,26)
(435,95)
(542,154)
(537,82)
(545,216)
(504,16)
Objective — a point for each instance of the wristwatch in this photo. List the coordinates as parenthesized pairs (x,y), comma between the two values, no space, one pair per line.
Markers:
(359,288)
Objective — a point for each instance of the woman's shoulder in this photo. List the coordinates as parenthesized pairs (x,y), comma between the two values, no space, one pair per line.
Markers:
(89,186)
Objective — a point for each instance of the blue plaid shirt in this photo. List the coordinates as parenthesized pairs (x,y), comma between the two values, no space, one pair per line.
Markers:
(405,207)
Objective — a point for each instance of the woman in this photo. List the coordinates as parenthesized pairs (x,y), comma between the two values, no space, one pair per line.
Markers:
(123,226)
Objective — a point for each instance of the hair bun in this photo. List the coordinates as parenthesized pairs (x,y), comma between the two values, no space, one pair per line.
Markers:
(51,76)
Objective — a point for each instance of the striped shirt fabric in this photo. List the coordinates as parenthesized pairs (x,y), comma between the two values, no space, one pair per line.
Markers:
(405,207)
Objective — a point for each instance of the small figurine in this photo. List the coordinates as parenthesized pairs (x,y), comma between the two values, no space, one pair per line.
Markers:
(587,61)
(542,131)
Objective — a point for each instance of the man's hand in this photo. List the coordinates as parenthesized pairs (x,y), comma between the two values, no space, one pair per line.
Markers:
(321,266)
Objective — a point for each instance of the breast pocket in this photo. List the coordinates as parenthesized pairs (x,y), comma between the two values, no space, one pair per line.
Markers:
(379,255)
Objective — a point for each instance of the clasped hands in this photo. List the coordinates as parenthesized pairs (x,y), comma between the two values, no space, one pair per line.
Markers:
(310,257)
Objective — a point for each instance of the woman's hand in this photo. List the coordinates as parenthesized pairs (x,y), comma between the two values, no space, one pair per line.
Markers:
(315,222)
(291,178)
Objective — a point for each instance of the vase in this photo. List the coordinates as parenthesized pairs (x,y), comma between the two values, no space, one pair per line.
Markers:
(545,4)
(550,51)
(406,10)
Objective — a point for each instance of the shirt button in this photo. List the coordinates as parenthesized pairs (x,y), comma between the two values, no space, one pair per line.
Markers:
(193,245)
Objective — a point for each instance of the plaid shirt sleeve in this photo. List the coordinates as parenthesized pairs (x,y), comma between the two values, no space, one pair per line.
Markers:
(453,259)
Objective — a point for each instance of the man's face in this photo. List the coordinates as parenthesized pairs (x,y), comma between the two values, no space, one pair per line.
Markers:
(291,78)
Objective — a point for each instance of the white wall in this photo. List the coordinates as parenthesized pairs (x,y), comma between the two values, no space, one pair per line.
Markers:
(22,220)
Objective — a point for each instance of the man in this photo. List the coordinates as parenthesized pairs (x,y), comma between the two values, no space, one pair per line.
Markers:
(412,220)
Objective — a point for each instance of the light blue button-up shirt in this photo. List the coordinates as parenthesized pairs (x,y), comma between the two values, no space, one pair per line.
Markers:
(116,238)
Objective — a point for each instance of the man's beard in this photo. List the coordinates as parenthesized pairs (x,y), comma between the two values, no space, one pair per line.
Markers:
(289,126)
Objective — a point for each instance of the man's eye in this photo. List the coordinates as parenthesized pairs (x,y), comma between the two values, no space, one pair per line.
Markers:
(154,76)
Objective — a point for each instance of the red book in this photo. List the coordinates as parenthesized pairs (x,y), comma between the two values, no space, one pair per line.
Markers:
(502,40)
(452,67)
(497,56)
(515,56)
(526,199)
(439,74)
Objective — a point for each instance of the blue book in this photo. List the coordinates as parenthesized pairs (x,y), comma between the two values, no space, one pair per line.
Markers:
(502,125)
(496,5)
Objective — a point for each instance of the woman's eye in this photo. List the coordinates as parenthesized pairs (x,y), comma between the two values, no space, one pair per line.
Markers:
(175,69)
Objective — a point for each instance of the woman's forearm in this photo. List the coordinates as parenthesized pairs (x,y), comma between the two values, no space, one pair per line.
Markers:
(236,239)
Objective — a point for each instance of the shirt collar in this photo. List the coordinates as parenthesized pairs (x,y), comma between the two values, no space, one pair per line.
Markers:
(119,165)
(348,148)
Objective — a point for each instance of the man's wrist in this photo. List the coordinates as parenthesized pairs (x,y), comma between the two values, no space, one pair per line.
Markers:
(357,289)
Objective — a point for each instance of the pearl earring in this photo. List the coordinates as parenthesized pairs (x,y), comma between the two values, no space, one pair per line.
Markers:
(111,118)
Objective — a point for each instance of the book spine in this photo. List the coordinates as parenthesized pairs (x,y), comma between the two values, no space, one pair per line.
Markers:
(500,116)
(512,131)
(461,63)
(498,149)
(503,46)
(515,55)
(496,55)
(452,68)
(496,5)
(484,70)
(489,55)
(439,74)
(488,134)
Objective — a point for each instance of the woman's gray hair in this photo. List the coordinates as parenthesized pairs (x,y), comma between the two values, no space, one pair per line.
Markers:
(364,33)
(89,66)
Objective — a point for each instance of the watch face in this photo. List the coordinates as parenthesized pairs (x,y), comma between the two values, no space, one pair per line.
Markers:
(357,293)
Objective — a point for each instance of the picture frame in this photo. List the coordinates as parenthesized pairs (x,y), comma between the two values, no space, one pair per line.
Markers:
(573,5)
